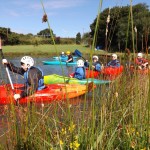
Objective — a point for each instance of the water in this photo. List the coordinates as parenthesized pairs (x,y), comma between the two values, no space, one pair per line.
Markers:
(47,69)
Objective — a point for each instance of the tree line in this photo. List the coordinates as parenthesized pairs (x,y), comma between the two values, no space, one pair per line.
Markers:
(115,29)
(123,27)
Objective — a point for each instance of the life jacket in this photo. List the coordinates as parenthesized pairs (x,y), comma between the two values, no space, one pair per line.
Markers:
(114,63)
(94,64)
(78,77)
(41,81)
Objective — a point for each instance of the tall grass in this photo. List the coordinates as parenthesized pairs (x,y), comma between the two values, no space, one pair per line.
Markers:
(118,118)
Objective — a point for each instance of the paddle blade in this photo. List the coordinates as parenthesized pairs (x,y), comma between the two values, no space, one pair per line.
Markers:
(78,53)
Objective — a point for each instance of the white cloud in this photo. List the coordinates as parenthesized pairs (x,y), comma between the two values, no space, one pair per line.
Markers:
(57,4)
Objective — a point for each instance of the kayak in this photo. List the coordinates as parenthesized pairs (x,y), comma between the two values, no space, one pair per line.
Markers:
(89,74)
(140,71)
(111,72)
(63,58)
(53,92)
(54,78)
(58,63)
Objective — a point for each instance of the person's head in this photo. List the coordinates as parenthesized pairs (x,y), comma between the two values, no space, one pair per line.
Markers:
(95,58)
(68,52)
(139,55)
(114,56)
(62,53)
(26,62)
(80,63)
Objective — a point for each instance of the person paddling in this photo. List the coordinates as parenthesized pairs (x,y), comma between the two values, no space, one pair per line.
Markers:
(33,76)
(70,57)
(141,62)
(114,63)
(96,66)
(79,70)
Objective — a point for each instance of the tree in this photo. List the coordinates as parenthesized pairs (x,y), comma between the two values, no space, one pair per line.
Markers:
(78,38)
(46,33)
(120,33)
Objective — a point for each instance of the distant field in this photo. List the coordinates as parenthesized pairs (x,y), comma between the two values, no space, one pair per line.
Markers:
(44,49)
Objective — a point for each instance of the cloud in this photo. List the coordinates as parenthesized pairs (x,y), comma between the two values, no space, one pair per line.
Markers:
(14,14)
(58,4)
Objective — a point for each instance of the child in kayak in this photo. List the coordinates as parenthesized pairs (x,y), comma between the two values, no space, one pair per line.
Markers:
(114,62)
(33,76)
(70,57)
(79,70)
(95,64)
(141,62)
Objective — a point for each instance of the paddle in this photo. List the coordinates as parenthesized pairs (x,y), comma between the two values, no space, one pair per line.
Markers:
(8,74)
(79,54)
(7,70)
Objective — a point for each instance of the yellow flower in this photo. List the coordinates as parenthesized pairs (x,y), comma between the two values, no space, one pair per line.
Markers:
(143,148)
(61,142)
(76,144)
(72,127)
(71,145)
(63,131)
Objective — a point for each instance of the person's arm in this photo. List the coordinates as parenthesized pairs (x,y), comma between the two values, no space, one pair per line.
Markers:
(98,67)
(13,68)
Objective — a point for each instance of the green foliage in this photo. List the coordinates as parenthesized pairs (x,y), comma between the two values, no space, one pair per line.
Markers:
(78,38)
(120,27)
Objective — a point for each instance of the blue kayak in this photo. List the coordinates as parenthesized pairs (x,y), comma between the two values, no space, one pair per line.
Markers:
(63,58)
(58,63)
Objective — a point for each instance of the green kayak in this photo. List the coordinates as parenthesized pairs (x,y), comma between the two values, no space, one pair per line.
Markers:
(54,78)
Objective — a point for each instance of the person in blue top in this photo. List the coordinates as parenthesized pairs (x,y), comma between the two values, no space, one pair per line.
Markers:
(96,66)
(80,70)
(62,55)
(33,76)
(114,62)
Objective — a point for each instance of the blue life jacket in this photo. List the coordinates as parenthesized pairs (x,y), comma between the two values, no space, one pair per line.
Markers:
(79,73)
(40,82)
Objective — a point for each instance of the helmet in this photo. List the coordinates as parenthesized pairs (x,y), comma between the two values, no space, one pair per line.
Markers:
(68,52)
(140,55)
(95,57)
(62,53)
(114,55)
(80,63)
(27,60)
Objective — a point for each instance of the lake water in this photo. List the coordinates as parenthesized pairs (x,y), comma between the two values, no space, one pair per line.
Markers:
(47,69)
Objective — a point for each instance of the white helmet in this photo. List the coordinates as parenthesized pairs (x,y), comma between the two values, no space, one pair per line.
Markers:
(62,53)
(80,63)
(95,57)
(27,60)
(140,55)
(114,55)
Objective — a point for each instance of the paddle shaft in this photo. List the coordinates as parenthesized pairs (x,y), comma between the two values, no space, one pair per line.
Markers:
(8,74)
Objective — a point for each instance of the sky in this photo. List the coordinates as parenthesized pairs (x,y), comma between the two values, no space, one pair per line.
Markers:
(66,17)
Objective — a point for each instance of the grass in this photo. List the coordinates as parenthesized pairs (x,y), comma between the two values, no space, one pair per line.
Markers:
(112,118)
(45,49)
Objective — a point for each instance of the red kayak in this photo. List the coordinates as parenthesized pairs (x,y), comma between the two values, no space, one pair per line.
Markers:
(111,72)
(53,92)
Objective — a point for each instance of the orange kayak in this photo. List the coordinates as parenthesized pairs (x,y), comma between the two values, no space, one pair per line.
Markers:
(53,92)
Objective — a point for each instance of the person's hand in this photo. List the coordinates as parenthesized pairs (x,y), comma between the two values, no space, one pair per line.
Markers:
(86,60)
(16,96)
(4,61)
